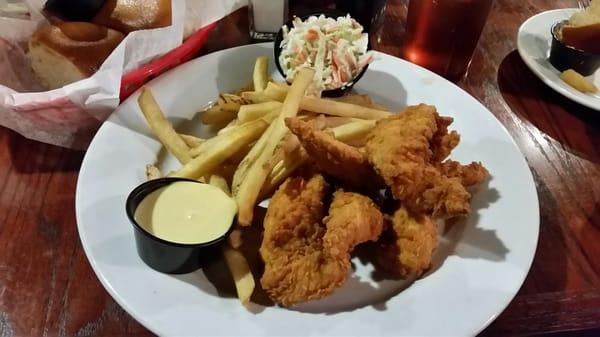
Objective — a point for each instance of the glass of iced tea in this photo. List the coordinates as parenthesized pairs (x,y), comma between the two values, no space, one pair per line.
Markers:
(441,35)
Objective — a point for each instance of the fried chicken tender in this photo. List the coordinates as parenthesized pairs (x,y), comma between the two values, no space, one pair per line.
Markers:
(407,246)
(404,149)
(305,260)
(353,218)
(469,175)
(443,142)
(334,158)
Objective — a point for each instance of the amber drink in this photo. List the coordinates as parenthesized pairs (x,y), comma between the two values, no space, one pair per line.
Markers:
(441,35)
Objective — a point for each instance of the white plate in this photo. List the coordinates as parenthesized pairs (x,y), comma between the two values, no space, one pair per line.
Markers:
(533,42)
(478,268)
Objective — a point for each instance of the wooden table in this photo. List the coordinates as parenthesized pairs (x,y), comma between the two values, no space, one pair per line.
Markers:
(48,288)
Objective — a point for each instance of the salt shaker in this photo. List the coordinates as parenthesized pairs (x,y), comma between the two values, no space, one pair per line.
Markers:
(266,18)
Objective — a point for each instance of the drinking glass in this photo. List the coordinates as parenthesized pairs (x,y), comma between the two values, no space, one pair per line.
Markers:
(441,35)
(266,18)
(369,13)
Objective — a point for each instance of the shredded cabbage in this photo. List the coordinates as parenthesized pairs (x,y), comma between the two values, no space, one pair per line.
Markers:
(335,48)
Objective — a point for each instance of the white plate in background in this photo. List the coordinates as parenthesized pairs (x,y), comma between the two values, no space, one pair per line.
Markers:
(533,42)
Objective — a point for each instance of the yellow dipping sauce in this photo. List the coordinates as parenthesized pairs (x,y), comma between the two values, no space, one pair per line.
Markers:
(186,212)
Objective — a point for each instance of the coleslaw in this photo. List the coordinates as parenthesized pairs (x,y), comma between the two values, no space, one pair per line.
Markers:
(335,48)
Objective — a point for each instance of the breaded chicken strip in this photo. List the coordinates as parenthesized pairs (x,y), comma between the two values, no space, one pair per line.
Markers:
(292,246)
(400,149)
(407,246)
(353,218)
(443,142)
(336,159)
(469,175)
(305,260)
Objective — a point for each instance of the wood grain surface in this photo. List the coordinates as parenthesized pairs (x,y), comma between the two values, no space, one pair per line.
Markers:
(47,287)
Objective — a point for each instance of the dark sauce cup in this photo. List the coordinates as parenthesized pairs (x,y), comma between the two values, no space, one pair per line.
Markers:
(337,92)
(166,256)
(564,57)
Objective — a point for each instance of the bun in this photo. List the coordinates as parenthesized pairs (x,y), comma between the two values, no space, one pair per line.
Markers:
(129,15)
(70,51)
(583,29)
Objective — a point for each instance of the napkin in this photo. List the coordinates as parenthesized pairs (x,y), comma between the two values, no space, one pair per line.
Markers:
(69,116)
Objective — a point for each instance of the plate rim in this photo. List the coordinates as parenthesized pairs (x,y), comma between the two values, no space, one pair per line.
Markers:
(556,86)
(149,325)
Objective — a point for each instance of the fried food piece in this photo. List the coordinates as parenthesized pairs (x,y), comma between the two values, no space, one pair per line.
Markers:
(443,198)
(408,244)
(443,142)
(339,160)
(469,175)
(353,218)
(305,260)
(292,246)
(400,149)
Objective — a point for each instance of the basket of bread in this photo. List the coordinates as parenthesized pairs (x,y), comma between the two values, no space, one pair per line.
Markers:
(65,65)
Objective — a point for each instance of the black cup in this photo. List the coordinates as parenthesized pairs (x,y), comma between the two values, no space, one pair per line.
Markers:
(369,13)
(337,92)
(564,57)
(80,10)
(165,256)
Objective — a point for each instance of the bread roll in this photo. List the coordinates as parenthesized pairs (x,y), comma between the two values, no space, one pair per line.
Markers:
(129,15)
(583,29)
(70,51)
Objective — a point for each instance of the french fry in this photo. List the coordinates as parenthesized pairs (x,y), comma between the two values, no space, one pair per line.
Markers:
(272,92)
(256,97)
(260,76)
(281,84)
(237,157)
(162,128)
(230,102)
(335,121)
(217,116)
(235,238)
(362,100)
(197,151)
(353,130)
(322,105)
(152,172)
(254,111)
(220,182)
(333,108)
(242,275)
(276,92)
(283,169)
(221,148)
(249,159)
(230,126)
(191,141)
(577,81)
(379,107)
(251,185)
(235,260)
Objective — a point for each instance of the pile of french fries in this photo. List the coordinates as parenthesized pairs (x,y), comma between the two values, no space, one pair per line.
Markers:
(253,152)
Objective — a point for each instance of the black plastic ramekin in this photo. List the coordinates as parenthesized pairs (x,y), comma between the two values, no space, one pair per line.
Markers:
(166,256)
(564,57)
